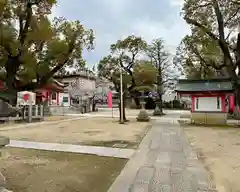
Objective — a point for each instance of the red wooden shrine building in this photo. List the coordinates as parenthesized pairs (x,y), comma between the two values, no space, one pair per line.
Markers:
(50,92)
(211,99)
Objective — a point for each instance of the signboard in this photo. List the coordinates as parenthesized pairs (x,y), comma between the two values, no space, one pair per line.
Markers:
(26,98)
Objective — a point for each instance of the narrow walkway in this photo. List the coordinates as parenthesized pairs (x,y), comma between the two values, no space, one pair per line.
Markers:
(164,162)
(100,151)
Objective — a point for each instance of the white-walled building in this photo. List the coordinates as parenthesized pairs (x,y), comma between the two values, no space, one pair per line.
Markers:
(76,84)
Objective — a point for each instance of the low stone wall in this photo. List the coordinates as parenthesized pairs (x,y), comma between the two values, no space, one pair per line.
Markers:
(209,118)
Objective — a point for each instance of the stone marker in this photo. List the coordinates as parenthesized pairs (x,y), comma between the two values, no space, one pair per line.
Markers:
(3,142)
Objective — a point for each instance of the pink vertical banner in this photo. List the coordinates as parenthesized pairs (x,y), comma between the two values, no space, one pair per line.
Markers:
(109,99)
(231,102)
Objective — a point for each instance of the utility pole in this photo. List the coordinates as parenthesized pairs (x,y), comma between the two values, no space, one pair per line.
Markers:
(121,96)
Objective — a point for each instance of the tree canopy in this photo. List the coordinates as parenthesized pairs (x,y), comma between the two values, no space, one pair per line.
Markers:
(200,59)
(124,54)
(214,26)
(145,75)
(144,65)
(167,70)
(33,48)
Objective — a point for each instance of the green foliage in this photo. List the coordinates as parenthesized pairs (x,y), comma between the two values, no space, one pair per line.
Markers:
(199,57)
(109,69)
(124,54)
(132,45)
(145,75)
(167,71)
(212,41)
(157,53)
(35,46)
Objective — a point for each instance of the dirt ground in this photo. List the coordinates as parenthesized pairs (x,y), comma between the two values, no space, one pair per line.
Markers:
(93,131)
(37,171)
(49,119)
(219,149)
(56,118)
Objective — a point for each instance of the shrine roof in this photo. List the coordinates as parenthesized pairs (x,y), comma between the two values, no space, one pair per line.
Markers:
(212,85)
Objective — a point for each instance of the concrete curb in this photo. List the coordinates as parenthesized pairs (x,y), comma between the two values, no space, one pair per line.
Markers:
(83,149)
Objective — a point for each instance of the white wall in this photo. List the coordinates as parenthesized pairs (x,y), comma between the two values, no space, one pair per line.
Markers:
(208,104)
(61,96)
(84,85)
(87,84)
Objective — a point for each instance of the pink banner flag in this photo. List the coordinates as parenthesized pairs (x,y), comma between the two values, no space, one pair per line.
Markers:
(109,99)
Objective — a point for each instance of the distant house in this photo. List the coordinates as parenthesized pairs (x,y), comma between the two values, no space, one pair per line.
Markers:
(76,84)
(103,86)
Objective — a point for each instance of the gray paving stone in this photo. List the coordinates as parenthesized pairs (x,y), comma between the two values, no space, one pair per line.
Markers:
(184,181)
(165,188)
(161,180)
(163,159)
(143,179)
(155,143)
(165,163)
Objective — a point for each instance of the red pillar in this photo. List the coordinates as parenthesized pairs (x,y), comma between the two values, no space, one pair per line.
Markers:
(193,104)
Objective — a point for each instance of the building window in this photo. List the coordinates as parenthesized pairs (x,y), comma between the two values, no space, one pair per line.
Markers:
(197,103)
(66,84)
(65,99)
(54,96)
(218,103)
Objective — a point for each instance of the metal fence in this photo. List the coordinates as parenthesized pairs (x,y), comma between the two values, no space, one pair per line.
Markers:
(26,113)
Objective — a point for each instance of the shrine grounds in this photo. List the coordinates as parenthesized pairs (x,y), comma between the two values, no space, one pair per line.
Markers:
(90,131)
(42,170)
(218,148)
(38,171)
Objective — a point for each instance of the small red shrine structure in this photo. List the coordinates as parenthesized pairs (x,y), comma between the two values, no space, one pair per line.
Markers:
(210,99)
(50,92)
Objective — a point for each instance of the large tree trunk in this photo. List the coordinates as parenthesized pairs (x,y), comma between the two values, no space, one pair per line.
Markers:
(124,110)
(160,102)
(11,67)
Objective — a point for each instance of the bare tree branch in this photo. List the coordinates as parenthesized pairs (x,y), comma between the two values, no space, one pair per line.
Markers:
(24,30)
(219,21)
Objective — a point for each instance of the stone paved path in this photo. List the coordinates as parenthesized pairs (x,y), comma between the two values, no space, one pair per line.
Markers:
(164,162)
(101,151)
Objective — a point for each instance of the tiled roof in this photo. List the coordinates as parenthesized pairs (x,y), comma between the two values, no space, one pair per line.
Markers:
(203,85)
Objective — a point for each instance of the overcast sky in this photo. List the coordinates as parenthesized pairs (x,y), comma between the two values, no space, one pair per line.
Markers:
(112,20)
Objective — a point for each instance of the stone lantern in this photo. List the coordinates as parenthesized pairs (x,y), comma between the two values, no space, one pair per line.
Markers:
(157,111)
(143,115)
